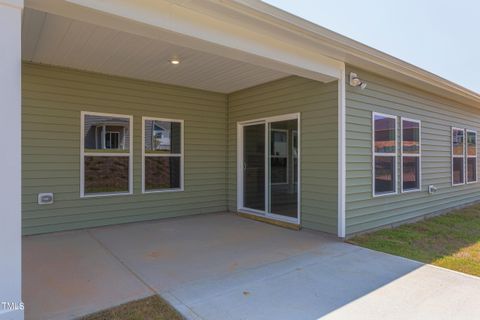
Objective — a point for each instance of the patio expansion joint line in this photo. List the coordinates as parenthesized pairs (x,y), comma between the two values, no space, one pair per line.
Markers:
(137,276)
(178,301)
(122,263)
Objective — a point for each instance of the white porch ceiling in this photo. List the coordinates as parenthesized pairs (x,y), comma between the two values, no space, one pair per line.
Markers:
(56,40)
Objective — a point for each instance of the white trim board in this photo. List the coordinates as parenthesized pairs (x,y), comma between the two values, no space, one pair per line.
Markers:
(341,161)
(11,159)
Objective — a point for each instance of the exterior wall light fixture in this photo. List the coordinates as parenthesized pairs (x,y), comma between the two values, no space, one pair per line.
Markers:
(355,81)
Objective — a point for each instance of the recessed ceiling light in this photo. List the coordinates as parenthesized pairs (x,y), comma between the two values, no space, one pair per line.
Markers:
(175,61)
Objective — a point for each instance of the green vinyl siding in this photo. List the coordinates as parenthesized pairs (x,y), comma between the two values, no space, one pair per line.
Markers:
(437,115)
(52,99)
(317,104)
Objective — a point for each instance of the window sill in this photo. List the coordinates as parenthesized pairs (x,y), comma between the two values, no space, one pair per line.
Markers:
(100,195)
(411,190)
(163,191)
(385,194)
(458,184)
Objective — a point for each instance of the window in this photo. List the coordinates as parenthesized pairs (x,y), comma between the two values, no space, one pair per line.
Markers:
(458,156)
(112,140)
(410,161)
(471,156)
(384,154)
(162,162)
(106,154)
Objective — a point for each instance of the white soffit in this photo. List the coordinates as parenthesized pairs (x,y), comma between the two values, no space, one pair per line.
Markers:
(60,41)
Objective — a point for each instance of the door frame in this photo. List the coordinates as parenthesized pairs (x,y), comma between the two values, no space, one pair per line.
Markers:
(240,160)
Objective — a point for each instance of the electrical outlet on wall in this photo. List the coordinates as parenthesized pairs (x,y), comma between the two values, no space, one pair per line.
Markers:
(45,198)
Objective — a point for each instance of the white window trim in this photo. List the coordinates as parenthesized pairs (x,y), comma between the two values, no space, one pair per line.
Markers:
(84,154)
(458,156)
(181,155)
(468,156)
(419,155)
(374,154)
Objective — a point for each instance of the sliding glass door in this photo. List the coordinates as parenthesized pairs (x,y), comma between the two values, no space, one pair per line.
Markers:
(283,193)
(269,173)
(254,167)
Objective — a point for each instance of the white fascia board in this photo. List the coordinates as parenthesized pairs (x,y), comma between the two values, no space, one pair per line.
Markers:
(215,33)
(12,3)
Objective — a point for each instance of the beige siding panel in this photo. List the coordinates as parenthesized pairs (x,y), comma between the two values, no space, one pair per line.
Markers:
(52,101)
(438,115)
(317,104)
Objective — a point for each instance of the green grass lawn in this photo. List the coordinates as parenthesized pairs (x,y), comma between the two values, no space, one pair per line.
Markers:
(451,241)
(151,308)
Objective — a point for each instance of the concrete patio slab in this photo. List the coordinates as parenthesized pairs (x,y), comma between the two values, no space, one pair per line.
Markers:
(70,274)
(226,267)
(169,253)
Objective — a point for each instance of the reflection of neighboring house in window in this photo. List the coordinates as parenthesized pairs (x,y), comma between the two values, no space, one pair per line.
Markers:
(158,135)
(161,136)
(106,134)
(279,143)
(457,141)
(384,138)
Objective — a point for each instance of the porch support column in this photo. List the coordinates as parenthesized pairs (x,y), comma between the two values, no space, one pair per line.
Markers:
(341,154)
(10,159)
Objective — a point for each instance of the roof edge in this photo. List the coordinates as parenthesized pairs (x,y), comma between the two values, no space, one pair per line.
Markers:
(341,47)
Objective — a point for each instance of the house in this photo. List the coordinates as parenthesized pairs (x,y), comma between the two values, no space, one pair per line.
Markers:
(105,133)
(123,111)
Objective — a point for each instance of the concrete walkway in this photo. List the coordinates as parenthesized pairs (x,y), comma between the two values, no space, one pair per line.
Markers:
(225,267)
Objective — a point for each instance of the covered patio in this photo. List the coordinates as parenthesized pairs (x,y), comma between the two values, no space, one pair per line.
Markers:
(222,266)
(123,65)
(255,122)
